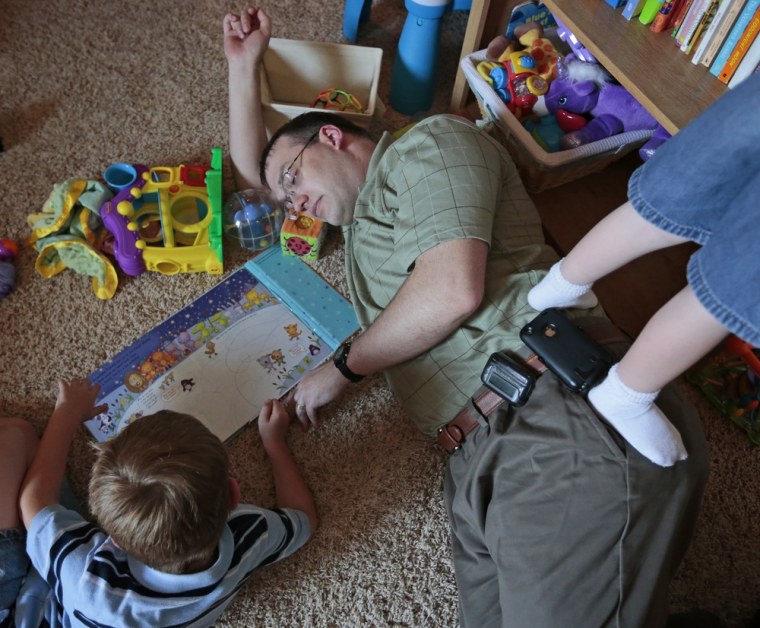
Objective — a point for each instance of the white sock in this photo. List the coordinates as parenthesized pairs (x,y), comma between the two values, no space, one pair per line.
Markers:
(638,420)
(556,291)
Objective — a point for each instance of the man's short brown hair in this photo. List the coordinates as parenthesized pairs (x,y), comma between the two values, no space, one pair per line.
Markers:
(303,127)
(160,489)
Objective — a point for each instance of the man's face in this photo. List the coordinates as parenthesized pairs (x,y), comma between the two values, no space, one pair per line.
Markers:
(317,177)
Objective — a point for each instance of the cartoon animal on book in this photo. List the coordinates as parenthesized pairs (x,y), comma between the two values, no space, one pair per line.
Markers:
(611,108)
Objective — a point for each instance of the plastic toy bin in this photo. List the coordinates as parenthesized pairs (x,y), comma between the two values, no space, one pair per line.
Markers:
(295,72)
(538,169)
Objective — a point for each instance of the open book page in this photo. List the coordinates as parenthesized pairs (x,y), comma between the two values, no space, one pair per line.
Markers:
(219,359)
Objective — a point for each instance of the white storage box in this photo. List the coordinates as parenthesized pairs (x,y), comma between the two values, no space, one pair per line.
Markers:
(295,72)
(540,170)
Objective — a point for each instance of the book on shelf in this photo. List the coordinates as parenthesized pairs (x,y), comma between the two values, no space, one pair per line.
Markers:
(650,10)
(734,36)
(633,8)
(704,23)
(711,30)
(675,22)
(748,65)
(724,28)
(742,46)
(691,21)
(664,16)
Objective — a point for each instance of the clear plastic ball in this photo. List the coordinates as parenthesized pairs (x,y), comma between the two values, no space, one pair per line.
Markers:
(254,218)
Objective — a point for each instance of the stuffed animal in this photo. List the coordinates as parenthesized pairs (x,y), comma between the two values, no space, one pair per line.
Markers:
(529,38)
(612,108)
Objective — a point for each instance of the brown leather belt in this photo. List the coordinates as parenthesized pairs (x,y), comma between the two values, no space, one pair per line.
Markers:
(452,435)
(485,401)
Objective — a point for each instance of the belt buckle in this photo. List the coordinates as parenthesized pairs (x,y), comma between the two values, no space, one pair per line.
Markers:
(455,433)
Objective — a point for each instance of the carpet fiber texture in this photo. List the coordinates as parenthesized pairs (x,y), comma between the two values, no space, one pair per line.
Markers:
(85,84)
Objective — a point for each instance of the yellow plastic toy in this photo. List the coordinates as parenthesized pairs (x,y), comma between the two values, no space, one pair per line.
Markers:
(168,219)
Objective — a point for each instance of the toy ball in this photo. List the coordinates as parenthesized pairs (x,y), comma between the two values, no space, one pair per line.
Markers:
(254,218)
(8,250)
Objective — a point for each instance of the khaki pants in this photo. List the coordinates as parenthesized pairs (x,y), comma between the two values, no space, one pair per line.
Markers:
(555,522)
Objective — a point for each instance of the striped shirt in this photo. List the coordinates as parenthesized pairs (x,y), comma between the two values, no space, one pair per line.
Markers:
(92,582)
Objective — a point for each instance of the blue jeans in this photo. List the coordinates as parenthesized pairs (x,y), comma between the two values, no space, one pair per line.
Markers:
(14,563)
(704,184)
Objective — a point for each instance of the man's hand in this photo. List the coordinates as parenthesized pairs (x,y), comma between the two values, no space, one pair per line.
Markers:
(316,389)
(76,401)
(246,36)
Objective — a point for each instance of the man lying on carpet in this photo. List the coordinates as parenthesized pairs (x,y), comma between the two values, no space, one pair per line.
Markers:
(555,519)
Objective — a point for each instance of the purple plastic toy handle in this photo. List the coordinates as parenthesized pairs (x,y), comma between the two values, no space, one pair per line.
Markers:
(129,257)
(566,35)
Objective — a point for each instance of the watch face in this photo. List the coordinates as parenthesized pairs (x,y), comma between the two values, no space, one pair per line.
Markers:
(341,354)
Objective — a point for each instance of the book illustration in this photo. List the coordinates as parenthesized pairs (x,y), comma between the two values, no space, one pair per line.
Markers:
(219,358)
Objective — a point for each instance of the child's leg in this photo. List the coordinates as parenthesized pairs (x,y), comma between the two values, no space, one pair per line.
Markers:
(18,442)
(678,335)
(620,237)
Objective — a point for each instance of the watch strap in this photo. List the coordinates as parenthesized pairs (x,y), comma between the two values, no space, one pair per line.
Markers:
(341,363)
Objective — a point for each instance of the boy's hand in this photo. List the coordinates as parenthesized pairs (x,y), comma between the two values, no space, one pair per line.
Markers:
(246,36)
(76,400)
(274,423)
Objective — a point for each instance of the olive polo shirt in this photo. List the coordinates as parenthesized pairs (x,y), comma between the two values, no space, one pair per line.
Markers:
(445,179)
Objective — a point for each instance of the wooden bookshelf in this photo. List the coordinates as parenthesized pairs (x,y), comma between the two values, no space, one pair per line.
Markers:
(648,64)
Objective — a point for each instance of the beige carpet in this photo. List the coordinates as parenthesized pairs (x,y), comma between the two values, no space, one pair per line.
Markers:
(85,84)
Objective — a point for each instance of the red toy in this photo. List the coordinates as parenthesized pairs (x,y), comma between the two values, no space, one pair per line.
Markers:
(517,82)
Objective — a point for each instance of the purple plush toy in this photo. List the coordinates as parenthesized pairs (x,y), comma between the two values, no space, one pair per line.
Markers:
(8,250)
(613,109)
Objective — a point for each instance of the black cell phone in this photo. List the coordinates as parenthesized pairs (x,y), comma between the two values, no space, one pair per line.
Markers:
(508,378)
(568,351)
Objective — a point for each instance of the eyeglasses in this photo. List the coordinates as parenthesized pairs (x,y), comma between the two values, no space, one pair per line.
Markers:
(289,176)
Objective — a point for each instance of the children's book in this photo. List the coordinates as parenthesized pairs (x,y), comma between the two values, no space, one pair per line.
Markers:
(529,12)
(690,21)
(249,339)
(748,65)
(704,22)
(712,30)
(741,48)
(633,8)
(733,36)
(727,23)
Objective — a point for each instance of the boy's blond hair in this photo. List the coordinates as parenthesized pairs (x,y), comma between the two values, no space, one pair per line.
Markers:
(160,489)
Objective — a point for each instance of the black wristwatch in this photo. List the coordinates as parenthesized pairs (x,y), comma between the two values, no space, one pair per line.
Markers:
(340,360)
